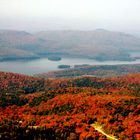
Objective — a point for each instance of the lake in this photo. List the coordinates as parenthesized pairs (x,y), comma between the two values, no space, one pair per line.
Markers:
(134,54)
(45,65)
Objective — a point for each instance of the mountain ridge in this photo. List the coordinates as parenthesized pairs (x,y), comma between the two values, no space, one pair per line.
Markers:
(98,44)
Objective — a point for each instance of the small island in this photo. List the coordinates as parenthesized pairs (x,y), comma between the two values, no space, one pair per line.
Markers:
(63,66)
(82,65)
(54,58)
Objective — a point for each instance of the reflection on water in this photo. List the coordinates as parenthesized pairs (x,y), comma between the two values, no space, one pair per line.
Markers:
(45,65)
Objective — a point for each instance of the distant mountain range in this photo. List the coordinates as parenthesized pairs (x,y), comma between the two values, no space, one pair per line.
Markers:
(99,44)
(18,44)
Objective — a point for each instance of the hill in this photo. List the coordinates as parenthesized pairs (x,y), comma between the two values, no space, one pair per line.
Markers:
(18,44)
(99,44)
(71,108)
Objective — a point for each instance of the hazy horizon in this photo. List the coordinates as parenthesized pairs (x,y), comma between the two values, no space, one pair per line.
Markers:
(40,15)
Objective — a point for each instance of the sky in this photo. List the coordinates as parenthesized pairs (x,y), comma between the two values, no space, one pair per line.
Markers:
(37,15)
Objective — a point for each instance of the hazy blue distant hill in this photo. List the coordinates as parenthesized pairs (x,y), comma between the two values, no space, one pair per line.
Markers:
(18,44)
(99,44)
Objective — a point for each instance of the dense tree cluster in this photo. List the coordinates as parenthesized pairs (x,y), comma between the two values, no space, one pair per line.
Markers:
(68,108)
(14,83)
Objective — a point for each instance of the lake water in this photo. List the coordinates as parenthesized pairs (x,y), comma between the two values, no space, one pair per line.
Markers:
(45,65)
(135,54)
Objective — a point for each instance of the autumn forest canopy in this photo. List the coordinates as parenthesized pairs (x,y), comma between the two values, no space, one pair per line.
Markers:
(69,70)
(69,108)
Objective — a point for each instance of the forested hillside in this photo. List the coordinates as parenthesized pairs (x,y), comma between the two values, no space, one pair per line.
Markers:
(70,108)
(93,70)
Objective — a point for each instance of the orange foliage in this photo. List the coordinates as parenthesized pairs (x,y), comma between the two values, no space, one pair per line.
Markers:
(70,106)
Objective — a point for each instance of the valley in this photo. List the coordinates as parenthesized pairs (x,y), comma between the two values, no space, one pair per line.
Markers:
(69,85)
(69,70)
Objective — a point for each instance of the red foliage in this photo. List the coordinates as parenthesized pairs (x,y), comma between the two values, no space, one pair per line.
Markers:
(72,108)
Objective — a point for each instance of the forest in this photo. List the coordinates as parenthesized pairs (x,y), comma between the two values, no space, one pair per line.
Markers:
(93,70)
(69,108)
